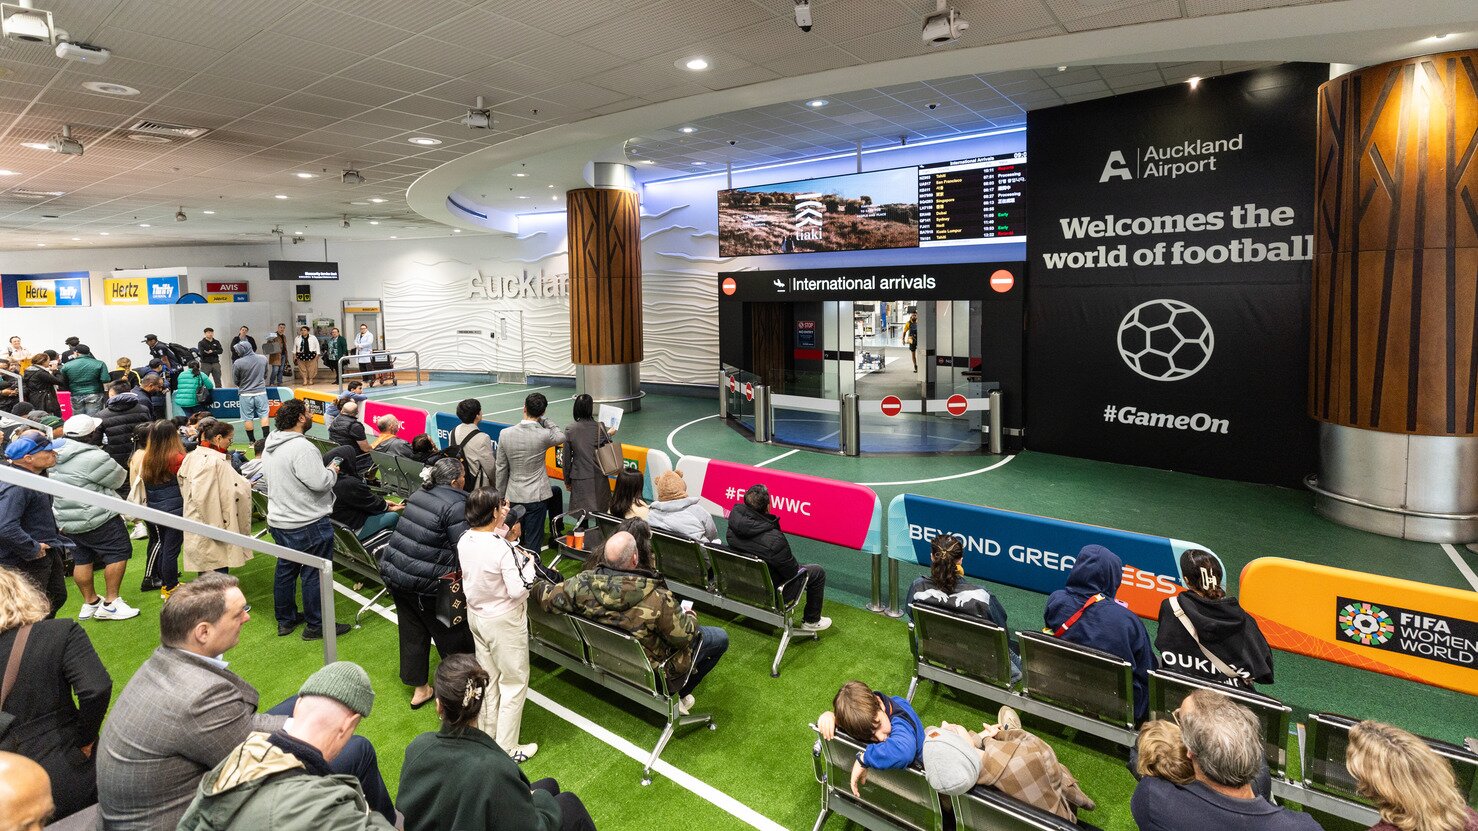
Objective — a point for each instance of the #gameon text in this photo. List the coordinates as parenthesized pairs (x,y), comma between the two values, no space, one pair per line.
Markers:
(1198,423)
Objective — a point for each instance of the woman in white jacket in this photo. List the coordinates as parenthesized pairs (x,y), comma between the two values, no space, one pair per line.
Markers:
(496,578)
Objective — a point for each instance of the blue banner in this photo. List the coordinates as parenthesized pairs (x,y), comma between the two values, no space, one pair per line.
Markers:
(225,402)
(445,423)
(163,291)
(1033,552)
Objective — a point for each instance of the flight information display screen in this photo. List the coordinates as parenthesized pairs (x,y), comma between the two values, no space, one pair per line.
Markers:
(973,201)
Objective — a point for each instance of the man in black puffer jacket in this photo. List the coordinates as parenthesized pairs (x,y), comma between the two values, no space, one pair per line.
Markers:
(422,550)
(755,531)
(123,412)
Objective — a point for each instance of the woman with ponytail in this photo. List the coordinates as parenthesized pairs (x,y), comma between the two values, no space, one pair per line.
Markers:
(459,778)
(1205,633)
(1413,788)
(945,587)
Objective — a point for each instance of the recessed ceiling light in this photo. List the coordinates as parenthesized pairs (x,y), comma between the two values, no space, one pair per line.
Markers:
(297,233)
(145,138)
(816,103)
(1194,81)
(686,129)
(107,88)
(700,163)
(1062,68)
(521,175)
(392,236)
(40,245)
(1440,37)
(145,225)
(549,186)
(378,199)
(306,175)
(13,173)
(280,196)
(359,203)
(693,64)
(424,141)
(102,233)
(374,222)
(76,239)
(35,145)
(456,230)
(208,212)
(523,197)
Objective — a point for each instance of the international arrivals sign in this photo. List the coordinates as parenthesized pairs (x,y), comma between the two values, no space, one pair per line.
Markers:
(141,291)
(40,291)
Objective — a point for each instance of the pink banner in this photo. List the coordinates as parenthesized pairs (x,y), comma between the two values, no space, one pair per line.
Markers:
(841,513)
(412,421)
(64,398)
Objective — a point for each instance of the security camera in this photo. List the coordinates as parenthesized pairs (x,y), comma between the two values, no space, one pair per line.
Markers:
(479,117)
(20,21)
(64,144)
(344,223)
(933,105)
(351,177)
(82,53)
(944,25)
(803,15)
(179,215)
(732,142)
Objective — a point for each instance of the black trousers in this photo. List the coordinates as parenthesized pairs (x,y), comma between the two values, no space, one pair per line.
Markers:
(48,575)
(815,592)
(418,629)
(572,813)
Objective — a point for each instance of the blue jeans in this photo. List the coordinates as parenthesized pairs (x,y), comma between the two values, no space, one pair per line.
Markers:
(274,374)
(713,642)
(316,538)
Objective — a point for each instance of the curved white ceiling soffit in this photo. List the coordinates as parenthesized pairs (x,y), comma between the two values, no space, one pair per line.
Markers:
(1353,31)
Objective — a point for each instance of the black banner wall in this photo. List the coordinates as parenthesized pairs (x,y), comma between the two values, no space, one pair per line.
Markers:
(1169,249)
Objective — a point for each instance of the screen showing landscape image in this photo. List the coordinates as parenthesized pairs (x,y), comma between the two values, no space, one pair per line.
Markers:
(855,212)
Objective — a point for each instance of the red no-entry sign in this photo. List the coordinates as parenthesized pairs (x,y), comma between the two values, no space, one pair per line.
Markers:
(749,391)
(730,286)
(891,405)
(1001,282)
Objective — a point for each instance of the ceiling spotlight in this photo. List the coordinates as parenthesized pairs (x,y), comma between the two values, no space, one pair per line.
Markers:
(479,117)
(456,230)
(76,239)
(179,215)
(817,103)
(374,222)
(424,141)
(700,163)
(208,212)
(350,176)
(686,129)
(8,173)
(944,25)
(344,223)
(306,175)
(102,233)
(694,64)
(279,196)
(1194,81)
(40,245)
(392,236)
(1443,36)
(21,21)
(145,225)
(64,144)
(1062,67)
(523,197)
(107,88)
(647,161)
(35,145)
(378,199)
(521,175)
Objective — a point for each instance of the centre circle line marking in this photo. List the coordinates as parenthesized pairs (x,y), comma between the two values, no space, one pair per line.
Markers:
(985,469)
(677,454)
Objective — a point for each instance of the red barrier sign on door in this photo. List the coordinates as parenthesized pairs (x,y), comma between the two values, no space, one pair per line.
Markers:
(956,404)
(733,384)
(892,405)
(749,391)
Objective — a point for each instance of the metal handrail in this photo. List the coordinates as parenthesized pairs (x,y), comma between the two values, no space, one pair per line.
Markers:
(1311,479)
(26,421)
(343,364)
(20,388)
(30,481)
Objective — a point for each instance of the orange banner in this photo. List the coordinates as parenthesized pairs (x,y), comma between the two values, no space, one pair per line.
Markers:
(1416,631)
(315,401)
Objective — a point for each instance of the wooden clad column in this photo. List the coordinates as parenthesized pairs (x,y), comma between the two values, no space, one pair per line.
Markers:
(605,293)
(1394,335)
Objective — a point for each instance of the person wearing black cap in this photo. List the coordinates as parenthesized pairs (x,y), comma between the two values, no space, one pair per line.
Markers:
(71,351)
(29,540)
(85,377)
(160,351)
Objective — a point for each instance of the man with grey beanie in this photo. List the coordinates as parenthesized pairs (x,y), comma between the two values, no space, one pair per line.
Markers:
(283,779)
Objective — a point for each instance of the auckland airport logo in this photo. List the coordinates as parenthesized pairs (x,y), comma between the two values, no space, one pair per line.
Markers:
(808,213)
(1171,161)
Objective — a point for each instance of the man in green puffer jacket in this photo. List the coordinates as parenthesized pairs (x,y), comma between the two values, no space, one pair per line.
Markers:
(85,377)
(100,536)
(281,780)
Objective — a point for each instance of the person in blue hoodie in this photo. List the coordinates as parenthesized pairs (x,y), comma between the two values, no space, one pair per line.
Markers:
(1085,612)
(885,723)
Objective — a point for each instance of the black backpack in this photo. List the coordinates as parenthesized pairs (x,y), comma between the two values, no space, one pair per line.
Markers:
(458,451)
(179,354)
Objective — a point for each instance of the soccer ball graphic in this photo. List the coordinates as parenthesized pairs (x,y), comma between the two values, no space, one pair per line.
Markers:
(1165,340)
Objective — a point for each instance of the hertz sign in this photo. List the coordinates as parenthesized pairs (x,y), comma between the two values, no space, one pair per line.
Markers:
(141,291)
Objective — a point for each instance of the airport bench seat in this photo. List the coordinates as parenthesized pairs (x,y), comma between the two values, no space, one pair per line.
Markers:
(357,557)
(1168,689)
(983,809)
(399,475)
(615,660)
(890,800)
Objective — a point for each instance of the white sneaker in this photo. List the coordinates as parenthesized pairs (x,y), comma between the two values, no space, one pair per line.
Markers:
(89,609)
(139,532)
(523,752)
(820,625)
(117,610)
(685,704)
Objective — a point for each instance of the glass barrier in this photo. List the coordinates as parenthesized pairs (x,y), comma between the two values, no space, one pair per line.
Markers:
(740,404)
(807,422)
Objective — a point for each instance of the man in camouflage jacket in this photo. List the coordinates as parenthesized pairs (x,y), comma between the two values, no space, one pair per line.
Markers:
(621,594)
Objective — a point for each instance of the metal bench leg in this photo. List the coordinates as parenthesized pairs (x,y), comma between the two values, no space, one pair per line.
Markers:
(912,686)
(646,774)
(367,604)
(821,819)
(780,653)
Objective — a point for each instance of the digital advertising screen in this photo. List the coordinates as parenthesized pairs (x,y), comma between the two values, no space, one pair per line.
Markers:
(973,201)
(301,270)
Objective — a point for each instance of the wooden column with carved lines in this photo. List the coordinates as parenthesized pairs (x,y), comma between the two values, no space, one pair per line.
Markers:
(605,276)
(1394,344)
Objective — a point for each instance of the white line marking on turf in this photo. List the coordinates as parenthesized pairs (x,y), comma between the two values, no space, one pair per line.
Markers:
(777,458)
(670,446)
(702,789)
(940,478)
(519,408)
(1462,565)
(699,788)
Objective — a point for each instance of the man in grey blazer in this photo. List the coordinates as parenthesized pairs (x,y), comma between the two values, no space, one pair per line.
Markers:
(184,711)
(521,476)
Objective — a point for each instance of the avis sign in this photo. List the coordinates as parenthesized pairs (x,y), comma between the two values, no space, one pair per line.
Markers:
(1034,552)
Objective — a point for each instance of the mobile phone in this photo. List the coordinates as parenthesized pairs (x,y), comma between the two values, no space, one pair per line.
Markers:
(686,606)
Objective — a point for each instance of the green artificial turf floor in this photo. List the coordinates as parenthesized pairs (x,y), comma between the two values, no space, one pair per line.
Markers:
(760,754)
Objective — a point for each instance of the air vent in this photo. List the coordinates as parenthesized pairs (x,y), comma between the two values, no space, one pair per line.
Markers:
(36,194)
(160,128)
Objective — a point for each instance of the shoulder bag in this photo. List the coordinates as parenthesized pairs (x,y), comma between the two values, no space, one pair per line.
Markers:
(1221,666)
(451,601)
(12,669)
(608,453)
